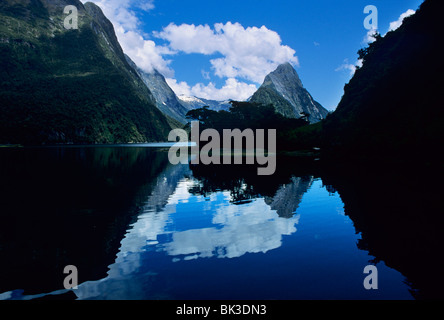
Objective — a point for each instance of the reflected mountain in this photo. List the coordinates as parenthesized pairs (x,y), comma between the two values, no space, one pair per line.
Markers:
(194,223)
(153,243)
(289,196)
(137,227)
(398,215)
(62,206)
(282,191)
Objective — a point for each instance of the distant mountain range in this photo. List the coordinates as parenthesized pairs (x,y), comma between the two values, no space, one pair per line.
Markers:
(282,88)
(168,102)
(194,103)
(78,86)
(166,99)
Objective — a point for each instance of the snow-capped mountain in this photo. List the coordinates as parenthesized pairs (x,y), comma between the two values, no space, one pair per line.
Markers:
(195,102)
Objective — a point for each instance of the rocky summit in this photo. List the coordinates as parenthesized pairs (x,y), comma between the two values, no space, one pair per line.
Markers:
(283,88)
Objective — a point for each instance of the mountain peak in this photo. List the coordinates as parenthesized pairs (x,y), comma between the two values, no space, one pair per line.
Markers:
(287,66)
(283,88)
(284,73)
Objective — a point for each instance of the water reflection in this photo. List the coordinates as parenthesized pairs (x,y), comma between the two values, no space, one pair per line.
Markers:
(188,227)
(139,228)
(252,228)
(209,217)
(398,209)
(62,206)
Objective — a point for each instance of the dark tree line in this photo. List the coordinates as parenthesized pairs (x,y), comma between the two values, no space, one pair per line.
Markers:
(247,115)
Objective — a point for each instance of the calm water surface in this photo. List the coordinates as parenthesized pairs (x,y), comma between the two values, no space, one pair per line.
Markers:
(137,227)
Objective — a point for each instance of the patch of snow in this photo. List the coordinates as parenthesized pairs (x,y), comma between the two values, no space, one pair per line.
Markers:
(189,99)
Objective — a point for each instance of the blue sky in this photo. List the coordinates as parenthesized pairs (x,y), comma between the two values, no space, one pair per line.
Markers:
(223,50)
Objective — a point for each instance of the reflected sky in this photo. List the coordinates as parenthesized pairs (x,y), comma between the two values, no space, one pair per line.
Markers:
(295,244)
(191,227)
(192,238)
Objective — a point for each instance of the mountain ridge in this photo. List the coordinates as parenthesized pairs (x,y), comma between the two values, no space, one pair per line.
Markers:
(69,86)
(193,102)
(165,98)
(384,112)
(283,88)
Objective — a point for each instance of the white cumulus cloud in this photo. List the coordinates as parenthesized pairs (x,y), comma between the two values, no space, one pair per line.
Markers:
(396,24)
(135,43)
(181,88)
(370,37)
(349,66)
(239,55)
(249,53)
(232,89)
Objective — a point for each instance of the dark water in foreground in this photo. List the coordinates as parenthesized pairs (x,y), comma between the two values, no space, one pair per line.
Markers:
(137,227)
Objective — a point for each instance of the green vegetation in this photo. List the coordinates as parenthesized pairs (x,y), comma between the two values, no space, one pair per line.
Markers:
(269,96)
(70,86)
(393,106)
(76,86)
(247,115)
(303,138)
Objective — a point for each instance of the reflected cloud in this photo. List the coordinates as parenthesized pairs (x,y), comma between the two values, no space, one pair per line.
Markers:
(233,230)
(250,228)
(187,227)
(150,230)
